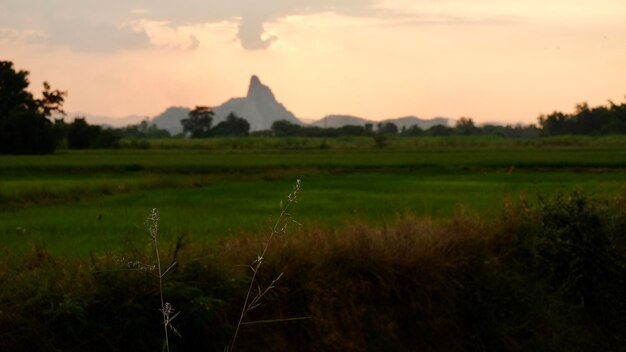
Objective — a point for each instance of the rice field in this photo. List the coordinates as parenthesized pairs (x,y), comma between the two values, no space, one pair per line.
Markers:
(77,202)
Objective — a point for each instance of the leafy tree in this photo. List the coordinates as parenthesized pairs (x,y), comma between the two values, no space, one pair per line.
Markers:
(413,130)
(26,132)
(351,130)
(283,128)
(232,126)
(81,135)
(389,128)
(586,120)
(24,124)
(440,130)
(465,126)
(144,129)
(198,123)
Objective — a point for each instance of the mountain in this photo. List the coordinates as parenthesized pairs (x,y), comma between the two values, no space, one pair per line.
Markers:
(424,124)
(335,121)
(170,119)
(260,107)
(107,121)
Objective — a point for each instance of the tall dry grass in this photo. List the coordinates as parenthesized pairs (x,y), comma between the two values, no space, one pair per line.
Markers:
(545,276)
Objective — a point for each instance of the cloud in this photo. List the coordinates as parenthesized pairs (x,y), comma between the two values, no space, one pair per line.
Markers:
(253,36)
(99,26)
(106,26)
(97,37)
(73,24)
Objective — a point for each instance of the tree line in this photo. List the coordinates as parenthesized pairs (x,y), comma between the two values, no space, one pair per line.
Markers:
(199,124)
(30,125)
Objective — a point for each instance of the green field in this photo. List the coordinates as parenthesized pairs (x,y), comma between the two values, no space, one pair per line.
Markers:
(74,202)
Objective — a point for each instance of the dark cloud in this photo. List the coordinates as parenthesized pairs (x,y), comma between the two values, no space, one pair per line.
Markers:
(95,26)
(252,14)
(78,25)
(97,37)
(251,34)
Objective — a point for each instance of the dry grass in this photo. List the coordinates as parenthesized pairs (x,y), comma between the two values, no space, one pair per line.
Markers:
(464,285)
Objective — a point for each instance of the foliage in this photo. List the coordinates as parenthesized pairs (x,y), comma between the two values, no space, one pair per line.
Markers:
(26,132)
(24,124)
(233,126)
(585,120)
(509,283)
(388,128)
(144,129)
(81,135)
(198,123)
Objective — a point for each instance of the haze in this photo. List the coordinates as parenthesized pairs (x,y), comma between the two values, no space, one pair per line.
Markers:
(504,61)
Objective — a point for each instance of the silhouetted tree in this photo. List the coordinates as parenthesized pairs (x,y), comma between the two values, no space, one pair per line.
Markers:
(81,135)
(198,123)
(351,130)
(465,126)
(26,132)
(24,124)
(586,120)
(440,130)
(144,129)
(284,128)
(414,130)
(232,126)
(388,128)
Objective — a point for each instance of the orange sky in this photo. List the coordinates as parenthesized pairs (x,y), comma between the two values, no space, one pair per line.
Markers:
(504,61)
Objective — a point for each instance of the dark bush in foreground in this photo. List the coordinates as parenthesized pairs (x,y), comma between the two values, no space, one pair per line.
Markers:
(545,277)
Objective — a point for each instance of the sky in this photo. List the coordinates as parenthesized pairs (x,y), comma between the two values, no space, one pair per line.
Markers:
(505,61)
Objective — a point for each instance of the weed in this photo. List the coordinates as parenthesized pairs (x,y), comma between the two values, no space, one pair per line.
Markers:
(280,226)
(166,308)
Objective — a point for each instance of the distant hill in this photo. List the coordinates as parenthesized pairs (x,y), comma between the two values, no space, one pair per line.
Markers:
(259,107)
(170,119)
(106,121)
(335,121)
(424,124)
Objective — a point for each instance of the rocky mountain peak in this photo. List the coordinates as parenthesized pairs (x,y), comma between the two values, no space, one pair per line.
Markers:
(260,92)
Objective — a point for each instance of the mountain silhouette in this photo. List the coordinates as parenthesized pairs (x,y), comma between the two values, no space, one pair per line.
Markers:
(260,107)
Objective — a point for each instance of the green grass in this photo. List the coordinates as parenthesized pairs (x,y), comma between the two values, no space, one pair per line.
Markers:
(511,283)
(360,143)
(77,201)
(104,223)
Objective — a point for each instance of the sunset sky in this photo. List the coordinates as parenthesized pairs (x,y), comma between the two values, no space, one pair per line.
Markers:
(492,60)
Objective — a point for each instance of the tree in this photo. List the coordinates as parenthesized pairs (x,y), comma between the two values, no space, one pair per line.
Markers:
(284,128)
(81,135)
(24,124)
(388,128)
(198,123)
(232,126)
(26,132)
(465,126)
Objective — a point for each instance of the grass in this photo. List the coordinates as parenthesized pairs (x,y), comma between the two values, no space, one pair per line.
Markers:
(395,143)
(225,208)
(75,202)
(499,283)
(432,244)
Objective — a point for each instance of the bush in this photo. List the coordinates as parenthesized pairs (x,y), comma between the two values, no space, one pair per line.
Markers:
(547,276)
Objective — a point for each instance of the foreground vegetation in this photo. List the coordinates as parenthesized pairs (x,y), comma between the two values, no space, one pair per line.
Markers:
(75,202)
(542,276)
